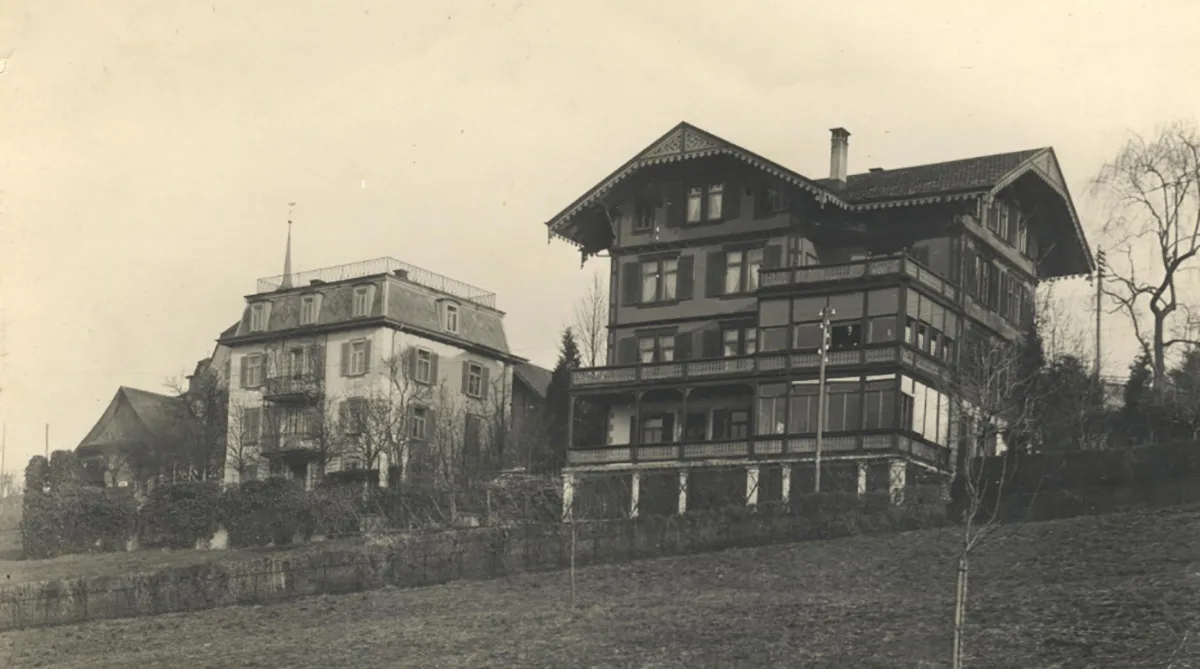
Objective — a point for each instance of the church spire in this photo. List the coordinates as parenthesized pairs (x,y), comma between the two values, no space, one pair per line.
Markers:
(287,257)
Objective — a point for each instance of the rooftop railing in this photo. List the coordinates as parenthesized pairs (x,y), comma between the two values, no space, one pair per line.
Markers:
(354,270)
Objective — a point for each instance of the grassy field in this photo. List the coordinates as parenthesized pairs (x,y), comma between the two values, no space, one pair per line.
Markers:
(1112,591)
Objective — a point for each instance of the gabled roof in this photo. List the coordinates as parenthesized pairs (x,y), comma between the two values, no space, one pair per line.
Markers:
(970,175)
(537,378)
(949,181)
(139,417)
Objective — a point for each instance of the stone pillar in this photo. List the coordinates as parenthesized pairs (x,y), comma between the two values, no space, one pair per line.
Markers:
(635,489)
(862,479)
(568,495)
(787,483)
(683,482)
(896,480)
(751,486)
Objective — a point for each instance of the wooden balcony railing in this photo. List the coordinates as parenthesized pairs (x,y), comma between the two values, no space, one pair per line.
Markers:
(874,267)
(763,445)
(750,365)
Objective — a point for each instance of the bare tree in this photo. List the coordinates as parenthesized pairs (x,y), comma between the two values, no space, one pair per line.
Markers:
(591,322)
(242,440)
(1153,191)
(202,425)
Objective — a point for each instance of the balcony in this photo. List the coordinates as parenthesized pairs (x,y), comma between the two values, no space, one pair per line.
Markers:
(888,266)
(302,387)
(278,443)
(763,363)
(789,447)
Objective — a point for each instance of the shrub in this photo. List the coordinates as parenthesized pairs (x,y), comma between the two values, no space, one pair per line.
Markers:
(261,513)
(64,470)
(333,510)
(39,525)
(180,515)
(77,519)
(37,474)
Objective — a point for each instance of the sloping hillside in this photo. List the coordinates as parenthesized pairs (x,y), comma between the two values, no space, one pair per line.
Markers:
(1112,591)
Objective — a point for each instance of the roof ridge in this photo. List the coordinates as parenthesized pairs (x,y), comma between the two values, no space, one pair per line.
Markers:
(949,162)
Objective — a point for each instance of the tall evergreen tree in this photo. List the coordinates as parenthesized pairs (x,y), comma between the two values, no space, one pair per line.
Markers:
(558,402)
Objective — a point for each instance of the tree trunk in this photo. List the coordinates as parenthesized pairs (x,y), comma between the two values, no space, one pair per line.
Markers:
(1160,369)
(960,612)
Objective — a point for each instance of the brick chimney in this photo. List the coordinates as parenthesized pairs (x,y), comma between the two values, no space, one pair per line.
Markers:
(839,151)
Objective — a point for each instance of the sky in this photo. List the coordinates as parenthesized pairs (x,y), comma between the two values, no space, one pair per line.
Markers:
(149,150)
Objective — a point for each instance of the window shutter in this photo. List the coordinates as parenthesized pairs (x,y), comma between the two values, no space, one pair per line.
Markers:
(408,363)
(344,415)
(316,358)
(483,383)
(677,205)
(242,372)
(466,372)
(367,357)
(627,351)
(433,368)
(712,343)
(714,274)
(430,424)
(629,283)
(731,196)
(1003,297)
(683,346)
(720,426)
(668,420)
(633,428)
(685,277)
(346,358)
(773,257)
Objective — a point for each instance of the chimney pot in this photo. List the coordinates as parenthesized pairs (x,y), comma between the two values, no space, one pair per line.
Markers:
(839,155)
(402,273)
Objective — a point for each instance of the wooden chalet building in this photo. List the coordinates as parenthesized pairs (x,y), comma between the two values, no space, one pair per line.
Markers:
(721,264)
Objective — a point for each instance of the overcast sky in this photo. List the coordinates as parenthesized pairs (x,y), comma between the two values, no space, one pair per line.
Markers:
(148,150)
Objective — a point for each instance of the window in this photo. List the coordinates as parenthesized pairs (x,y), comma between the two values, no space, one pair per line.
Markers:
(352,415)
(695,424)
(251,424)
(879,409)
(808,336)
(695,205)
(660,280)
(803,417)
(844,336)
(1002,222)
(643,218)
(296,363)
(451,317)
(771,415)
(252,371)
(423,367)
(308,310)
(418,423)
(472,437)
(731,424)
(361,301)
(741,270)
(845,411)
(739,341)
(358,358)
(715,194)
(882,330)
(659,348)
(474,379)
(658,429)
(770,201)
(258,317)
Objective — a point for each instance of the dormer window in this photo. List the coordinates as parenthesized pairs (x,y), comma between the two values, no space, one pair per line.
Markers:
(259,312)
(706,203)
(362,300)
(308,309)
(450,317)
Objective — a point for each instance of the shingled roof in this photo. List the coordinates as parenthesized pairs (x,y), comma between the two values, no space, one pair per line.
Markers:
(138,418)
(537,378)
(968,175)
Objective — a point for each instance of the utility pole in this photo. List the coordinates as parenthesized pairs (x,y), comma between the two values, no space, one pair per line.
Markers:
(5,485)
(47,442)
(826,312)
(1099,304)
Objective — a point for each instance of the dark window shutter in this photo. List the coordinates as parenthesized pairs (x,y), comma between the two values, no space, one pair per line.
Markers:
(677,205)
(346,358)
(683,346)
(344,414)
(773,257)
(1003,309)
(627,351)
(466,373)
(433,368)
(731,196)
(714,274)
(712,343)
(242,372)
(720,429)
(668,421)
(630,288)
(633,428)
(430,425)
(408,363)
(685,278)
(483,383)
(367,357)
(316,358)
